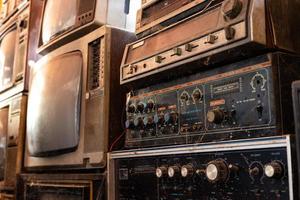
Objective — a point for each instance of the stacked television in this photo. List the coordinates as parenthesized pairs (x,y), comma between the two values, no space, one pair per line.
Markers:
(74,100)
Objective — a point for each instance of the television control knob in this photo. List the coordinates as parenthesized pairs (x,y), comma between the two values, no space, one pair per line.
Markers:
(141,106)
(215,116)
(161,172)
(229,32)
(138,122)
(232,8)
(187,170)
(184,97)
(129,124)
(273,170)
(217,171)
(173,171)
(131,108)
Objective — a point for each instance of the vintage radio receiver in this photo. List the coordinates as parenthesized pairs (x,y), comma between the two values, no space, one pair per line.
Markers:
(12,131)
(9,8)
(13,50)
(250,98)
(251,169)
(62,187)
(230,30)
(75,102)
(157,14)
(64,21)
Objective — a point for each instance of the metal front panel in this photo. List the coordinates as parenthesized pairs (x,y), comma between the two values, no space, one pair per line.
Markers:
(131,168)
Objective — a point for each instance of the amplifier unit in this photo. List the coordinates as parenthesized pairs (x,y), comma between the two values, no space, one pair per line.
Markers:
(62,186)
(247,99)
(158,14)
(252,169)
(229,30)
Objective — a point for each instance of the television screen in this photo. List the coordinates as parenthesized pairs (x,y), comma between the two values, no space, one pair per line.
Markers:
(7,56)
(59,16)
(53,120)
(3,133)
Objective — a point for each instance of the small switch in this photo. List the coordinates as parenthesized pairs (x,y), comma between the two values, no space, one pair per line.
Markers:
(211,39)
(177,51)
(229,32)
(159,59)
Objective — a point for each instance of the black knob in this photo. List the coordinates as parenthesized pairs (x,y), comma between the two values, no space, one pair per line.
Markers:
(274,170)
(215,116)
(217,171)
(131,108)
(232,8)
(173,171)
(141,106)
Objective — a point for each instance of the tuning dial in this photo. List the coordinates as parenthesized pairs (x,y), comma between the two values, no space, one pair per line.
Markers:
(131,108)
(232,8)
(187,170)
(173,171)
(217,171)
(138,122)
(215,116)
(273,170)
(161,172)
(141,106)
(129,124)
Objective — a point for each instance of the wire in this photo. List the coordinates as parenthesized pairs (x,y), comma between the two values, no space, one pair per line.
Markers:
(116,140)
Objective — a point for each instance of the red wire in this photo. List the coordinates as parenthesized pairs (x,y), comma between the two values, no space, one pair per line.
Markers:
(116,140)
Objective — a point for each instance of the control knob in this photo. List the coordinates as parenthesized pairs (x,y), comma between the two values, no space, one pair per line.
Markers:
(161,172)
(217,171)
(215,116)
(173,171)
(187,170)
(159,119)
(150,105)
(141,106)
(273,170)
(197,95)
(131,108)
(232,8)
(148,120)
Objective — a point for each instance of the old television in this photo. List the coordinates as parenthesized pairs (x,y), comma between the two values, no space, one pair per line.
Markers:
(13,54)
(12,131)
(75,103)
(9,8)
(63,21)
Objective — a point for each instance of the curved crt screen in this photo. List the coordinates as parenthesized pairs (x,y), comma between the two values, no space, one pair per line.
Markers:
(59,16)
(53,120)
(7,56)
